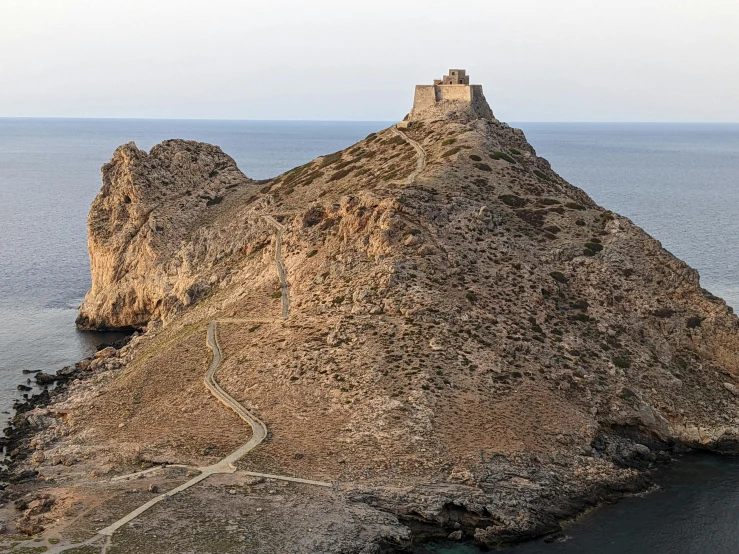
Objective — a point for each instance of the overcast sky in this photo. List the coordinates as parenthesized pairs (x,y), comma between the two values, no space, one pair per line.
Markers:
(538,60)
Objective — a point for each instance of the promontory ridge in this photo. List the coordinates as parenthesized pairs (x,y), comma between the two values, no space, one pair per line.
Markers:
(429,334)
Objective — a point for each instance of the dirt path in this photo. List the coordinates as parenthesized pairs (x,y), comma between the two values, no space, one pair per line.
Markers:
(259,429)
(421,164)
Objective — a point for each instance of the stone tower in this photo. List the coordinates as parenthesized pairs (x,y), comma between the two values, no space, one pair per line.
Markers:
(452,92)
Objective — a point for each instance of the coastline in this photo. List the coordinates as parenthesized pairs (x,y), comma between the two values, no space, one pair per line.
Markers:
(19,430)
(642,466)
(513,494)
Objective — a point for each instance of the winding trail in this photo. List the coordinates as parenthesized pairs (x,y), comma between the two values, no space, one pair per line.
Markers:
(259,429)
(421,164)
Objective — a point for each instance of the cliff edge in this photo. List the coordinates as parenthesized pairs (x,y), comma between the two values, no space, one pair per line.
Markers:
(148,251)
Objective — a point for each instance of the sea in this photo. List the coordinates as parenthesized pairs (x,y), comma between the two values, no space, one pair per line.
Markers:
(679,182)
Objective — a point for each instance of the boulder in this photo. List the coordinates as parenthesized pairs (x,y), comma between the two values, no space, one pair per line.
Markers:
(28,527)
(106,352)
(44,378)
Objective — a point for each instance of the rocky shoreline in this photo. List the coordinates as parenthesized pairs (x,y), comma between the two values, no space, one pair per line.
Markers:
(20,429)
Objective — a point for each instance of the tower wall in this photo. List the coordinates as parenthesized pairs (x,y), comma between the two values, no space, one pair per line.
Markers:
(446,97)
(424,98)
(454,92)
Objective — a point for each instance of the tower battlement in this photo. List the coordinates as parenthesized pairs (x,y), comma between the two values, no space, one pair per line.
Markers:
(451,91)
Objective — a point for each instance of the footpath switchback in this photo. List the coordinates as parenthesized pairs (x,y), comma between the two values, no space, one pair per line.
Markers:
(258,427)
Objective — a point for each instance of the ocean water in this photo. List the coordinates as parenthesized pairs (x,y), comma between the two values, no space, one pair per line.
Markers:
(679,182)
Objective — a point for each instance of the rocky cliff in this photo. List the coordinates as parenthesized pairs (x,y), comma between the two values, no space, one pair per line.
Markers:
(479,351)
(149,254)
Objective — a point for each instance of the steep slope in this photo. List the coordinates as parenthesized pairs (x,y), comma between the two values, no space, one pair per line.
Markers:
(482,349)
(146,238)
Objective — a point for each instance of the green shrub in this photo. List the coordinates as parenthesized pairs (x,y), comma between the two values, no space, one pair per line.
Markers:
(340,174)
(664,313)
(628,394)
(594,246)
(475,158)
(549,201)
(471,296)
(558,276)
(503,156)
(515,151)
(574,206)
(330,159)
(338,300)
(448,141)
(311,253)
(213,173)
(343,164)
(483,167)
(541,175)
(693,322)
(622,361)
(512,200)
(451,152)
(312,176)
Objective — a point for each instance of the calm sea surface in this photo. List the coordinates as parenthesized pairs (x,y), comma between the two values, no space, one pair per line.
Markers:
(680,182)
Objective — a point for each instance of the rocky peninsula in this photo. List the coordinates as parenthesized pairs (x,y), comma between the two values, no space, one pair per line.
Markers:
(438,332)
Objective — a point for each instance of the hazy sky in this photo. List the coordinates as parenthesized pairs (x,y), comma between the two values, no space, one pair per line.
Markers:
(538,60)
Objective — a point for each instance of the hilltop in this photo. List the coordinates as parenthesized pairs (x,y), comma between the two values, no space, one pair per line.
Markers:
(473,348)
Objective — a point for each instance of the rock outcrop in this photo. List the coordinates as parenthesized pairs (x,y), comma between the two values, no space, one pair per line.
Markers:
(481,352)
(145,259)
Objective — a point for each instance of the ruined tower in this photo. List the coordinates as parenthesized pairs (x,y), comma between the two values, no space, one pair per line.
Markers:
(452,92)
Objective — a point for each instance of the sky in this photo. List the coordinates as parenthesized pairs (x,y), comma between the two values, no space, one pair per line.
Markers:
(538,60)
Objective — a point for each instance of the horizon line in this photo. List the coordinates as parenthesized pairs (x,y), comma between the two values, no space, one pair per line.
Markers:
(65,118)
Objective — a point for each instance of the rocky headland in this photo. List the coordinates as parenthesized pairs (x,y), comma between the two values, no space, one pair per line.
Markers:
(474,349)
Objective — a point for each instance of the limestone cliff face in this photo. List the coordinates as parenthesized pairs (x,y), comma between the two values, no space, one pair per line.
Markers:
(141,227)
